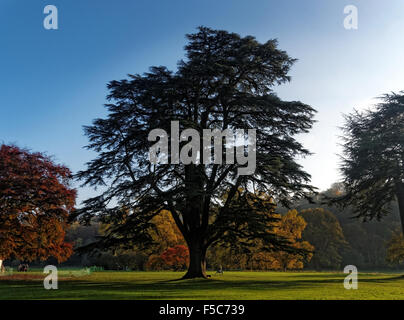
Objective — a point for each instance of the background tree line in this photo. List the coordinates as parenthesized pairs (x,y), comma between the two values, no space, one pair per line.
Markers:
(329,232)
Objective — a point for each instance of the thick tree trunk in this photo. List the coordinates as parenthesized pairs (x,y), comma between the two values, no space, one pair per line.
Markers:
(197,260)
(2,269)
(400,200)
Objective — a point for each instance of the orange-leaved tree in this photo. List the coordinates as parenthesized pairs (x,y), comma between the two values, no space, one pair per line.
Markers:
(35,202)
(166,233)
(168,242)
(291,227)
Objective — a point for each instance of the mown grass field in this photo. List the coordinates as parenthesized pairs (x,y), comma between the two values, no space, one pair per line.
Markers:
(231,285)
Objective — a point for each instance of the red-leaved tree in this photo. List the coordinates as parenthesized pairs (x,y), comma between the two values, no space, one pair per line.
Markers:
(35,202)
(177,257)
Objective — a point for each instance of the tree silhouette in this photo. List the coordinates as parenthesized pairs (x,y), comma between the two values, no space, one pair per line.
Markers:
(373,159)
(225,82)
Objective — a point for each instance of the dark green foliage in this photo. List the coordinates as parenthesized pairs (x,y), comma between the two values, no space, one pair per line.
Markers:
(373,159)
(324,232)
(366,241)
(226,82)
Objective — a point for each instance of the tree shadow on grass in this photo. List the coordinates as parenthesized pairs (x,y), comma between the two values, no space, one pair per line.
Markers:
(175,288)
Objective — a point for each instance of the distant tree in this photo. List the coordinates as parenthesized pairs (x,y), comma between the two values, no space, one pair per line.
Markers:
(35,202)
(257,256)
(80,235)
(226,82)
(230,258)
(177,257)
(324,232)
(165,233)
(156,262)
(395,249)
(366,241)
(291,227)
(373,159)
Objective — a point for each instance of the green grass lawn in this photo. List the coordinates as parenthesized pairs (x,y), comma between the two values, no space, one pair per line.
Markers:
(231,285)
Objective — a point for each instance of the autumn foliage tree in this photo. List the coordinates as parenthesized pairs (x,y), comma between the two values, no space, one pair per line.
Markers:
(260,257)
(167,244)
(291,227)
(395,249)
(177,257)
(35,202)
(165,233)
(170,250)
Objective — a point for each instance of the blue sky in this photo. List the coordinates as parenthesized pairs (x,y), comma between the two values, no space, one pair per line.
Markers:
(52,82)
